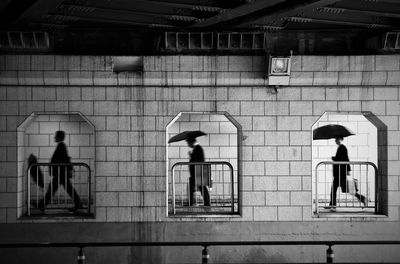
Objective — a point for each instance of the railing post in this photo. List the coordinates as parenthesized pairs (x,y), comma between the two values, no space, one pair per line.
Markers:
(329,254)
(205,255)
(81,256)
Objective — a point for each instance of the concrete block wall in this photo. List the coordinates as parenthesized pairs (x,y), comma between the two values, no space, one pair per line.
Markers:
(131,111)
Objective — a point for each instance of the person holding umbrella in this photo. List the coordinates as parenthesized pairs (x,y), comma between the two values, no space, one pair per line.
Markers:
(340,171)
(199,174)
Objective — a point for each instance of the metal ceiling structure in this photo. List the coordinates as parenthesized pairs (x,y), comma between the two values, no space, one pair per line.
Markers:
(75,24)
(200,14)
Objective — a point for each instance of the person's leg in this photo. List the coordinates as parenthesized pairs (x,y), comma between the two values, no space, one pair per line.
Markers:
(192,191)
(206,195)
(72,192)
(51,190)
(335,186)
(361,198)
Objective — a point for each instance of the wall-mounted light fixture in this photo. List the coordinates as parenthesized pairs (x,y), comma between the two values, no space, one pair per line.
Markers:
(279,70)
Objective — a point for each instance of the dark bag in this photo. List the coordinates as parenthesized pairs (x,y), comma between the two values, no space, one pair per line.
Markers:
(203,175)
(35,171)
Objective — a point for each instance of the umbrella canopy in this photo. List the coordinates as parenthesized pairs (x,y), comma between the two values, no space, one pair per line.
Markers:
(331,131)
(186,135)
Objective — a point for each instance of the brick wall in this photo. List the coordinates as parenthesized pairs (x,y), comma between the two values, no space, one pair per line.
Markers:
(131,111)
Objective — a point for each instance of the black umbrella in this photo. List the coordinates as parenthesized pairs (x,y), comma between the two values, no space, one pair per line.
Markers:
(186,135)
(331,131)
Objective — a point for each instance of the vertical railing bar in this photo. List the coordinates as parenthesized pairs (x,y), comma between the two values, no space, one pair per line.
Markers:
(173,189)
(352,179)
(51,184)
(58,185)
(316,189)
(367,186)
(232,191)
(89,188)
(66,187)
(37,189)
(29,190)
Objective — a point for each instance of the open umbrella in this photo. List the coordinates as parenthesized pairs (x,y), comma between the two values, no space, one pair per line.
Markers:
(186,135)
(331,131)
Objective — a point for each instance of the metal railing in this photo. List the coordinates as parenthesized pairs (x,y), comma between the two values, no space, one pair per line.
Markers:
(214,180)
(59,186)
(359,193)
(81,258)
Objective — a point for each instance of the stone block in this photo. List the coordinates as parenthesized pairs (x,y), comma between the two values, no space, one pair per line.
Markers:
(312,93)
(393,78)
(130,78)
(264,123)
(387,62)
(191,63)
(374,78)
(276,168)
(300,138)
(233,108)
(203,78)
(239,93)
(264,153)
(107,138)
(119,153)
(363,94)
(228,78)
(300,167)
(8,78)
(31,78)
(119,184)
(55,78)
(80,78)
(339,93)
(106,108)
(265,213)
(289,183)
(314,63)
(221,63)
(191,94)
(320,107)
(155,78)
(289,123)
(118,123)
(219,140)
(301,108)
(296,63)
(253,168)
(338,63)
(240,63)
(362,63)
(43,62)
(392,108)
(350,78)
(277,198)
(349,106)
(253,198)
(260,63)
(301,78)
(274,138)
(290,213)
(376,107)
(106,198)
(263,94)
(287,93)
(253,138)
(289,153)
(181,78)
(386,93)
(85,107)
(264,183)
(325,78)
(276,108)
(130,199)
(119,214)
(300,198)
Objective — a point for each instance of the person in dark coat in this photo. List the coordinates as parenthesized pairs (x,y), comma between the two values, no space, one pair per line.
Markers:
(340,172)
(61,174)
(197,155)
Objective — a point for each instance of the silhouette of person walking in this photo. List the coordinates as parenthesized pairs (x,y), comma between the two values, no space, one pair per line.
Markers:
(62,174)
(340,172)
(197,155)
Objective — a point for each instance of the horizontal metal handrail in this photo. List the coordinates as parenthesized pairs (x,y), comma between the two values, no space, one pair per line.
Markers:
(202,243)
(367,163)
(202,163)
(72,164)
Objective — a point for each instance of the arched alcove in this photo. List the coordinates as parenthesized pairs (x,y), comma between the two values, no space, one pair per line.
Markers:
(364,147)
(220,144)
(36,136)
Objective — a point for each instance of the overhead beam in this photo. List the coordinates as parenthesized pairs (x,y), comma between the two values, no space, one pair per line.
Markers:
(37,10)
(195,7)
(338,10)
(73,9)
(336,22)
(271,10)
(107,20)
